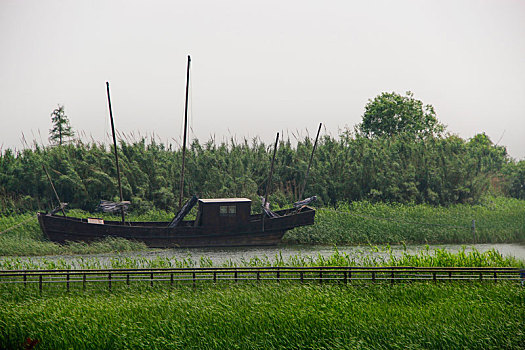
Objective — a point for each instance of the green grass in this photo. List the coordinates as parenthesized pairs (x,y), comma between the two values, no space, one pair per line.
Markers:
(284,316)
(379,257)
(498,220)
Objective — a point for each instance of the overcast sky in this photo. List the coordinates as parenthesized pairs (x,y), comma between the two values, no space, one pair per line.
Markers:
(258,67)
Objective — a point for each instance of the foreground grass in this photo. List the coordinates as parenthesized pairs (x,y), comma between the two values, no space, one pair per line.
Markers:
(245,316)
(498,220)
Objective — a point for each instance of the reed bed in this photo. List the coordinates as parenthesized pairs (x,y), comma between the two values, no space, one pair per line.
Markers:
(497,220)
(245,316)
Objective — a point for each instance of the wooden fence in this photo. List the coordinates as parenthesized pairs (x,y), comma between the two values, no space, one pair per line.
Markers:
(325,274)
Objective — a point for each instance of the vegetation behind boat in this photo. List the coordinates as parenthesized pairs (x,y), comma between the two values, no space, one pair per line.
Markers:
(437,171)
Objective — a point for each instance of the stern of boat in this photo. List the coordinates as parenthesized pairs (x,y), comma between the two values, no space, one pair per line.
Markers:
(40,217)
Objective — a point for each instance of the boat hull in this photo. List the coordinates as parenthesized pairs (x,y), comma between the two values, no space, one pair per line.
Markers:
(159,235)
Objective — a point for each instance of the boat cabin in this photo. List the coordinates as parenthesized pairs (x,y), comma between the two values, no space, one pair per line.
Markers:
(223,211)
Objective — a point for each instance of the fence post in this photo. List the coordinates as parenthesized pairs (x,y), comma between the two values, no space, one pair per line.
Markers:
(109,280)
(84,281)
(25,280)
(235,275)
(473,231)
(151,279)
(214,276)
(373,276)
(391,276)
(258,275)
(40,283)
(278,274)
(67,281)
(350,275)
(495,277)
(171,279)
(345,281)
(193,275)
(127,279)
(320,276)
(302,277)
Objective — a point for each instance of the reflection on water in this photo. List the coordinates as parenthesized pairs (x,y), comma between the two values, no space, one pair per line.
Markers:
(237,254)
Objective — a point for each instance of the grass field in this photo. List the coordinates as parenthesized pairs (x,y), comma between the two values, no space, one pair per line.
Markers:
(498,220)
(245,316)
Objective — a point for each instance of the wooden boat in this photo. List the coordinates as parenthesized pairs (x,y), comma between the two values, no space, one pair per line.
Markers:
(220,222)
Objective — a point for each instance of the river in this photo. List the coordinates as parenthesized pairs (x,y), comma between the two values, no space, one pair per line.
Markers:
(238,254)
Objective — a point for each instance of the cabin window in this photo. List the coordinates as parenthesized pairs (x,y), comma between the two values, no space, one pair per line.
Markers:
(227,210)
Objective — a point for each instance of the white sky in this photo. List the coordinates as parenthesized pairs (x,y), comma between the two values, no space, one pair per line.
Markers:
(258,67)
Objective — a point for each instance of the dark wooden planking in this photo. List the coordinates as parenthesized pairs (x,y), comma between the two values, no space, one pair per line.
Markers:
(158,234)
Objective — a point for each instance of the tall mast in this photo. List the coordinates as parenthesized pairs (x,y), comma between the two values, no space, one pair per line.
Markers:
(269,183)
(185,132)
(310,163)
(54,190)
(115,149)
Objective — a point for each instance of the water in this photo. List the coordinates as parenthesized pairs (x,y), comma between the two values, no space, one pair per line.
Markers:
(238,254)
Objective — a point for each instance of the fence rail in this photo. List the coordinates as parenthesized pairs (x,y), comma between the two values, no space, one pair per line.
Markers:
(324,274)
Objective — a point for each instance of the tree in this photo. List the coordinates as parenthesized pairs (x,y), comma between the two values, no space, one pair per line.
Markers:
(390,114)
(61,128)
(488,156)
(515,174)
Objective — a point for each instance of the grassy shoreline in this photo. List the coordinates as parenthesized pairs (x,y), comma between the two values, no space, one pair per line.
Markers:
(498,220)
(473,315)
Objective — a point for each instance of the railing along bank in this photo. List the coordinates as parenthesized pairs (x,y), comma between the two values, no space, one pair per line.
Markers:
(323,274)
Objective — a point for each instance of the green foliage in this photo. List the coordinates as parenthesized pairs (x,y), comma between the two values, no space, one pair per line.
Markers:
(391,114)
(414,316)
(515,175)
(61,128)
(398,154)
(497,220)
(434,170)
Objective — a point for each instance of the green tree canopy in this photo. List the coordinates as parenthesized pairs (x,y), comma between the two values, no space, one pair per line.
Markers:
(390,114)
(61,127)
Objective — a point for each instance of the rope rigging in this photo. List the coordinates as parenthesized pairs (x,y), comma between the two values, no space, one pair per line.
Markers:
(15,226)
